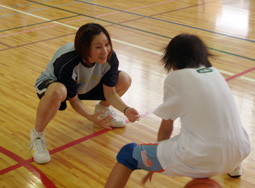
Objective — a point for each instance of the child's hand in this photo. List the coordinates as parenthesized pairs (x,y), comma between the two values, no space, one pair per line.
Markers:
(147,177)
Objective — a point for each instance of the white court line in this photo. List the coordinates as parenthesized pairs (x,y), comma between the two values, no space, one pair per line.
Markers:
(116,40)
(39,17)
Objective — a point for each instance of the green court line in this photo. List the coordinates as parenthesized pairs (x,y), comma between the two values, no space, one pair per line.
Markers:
(221,51)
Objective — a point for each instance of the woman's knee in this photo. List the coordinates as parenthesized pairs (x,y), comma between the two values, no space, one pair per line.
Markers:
(124,82)
(56,91)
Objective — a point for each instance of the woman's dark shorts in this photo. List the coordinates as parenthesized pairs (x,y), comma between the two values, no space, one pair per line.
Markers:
(96,93)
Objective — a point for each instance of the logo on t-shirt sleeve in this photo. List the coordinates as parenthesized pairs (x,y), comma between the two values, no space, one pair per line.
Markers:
(204,70)
(146,161)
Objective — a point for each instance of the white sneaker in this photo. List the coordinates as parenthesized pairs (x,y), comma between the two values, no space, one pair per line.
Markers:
(116,121)
(236,173)
(38,148)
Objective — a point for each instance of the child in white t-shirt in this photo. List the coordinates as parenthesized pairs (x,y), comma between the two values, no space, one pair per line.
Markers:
(212,140)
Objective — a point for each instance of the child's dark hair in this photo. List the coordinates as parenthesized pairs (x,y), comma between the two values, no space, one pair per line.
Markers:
(185,51)
(84,37)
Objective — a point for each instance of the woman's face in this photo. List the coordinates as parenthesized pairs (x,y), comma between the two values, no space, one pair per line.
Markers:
(99,49)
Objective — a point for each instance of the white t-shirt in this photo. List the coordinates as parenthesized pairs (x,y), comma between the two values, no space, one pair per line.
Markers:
(212,140)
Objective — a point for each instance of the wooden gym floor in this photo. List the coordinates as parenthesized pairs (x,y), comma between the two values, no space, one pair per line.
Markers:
(83,154)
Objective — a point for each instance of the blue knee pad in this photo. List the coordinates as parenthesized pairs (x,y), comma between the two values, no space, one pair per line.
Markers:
(125,156)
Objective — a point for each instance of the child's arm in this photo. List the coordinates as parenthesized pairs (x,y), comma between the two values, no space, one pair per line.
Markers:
(164,133)
(165,129)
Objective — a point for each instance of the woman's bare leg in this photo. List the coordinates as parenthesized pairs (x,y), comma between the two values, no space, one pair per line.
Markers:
(49,105)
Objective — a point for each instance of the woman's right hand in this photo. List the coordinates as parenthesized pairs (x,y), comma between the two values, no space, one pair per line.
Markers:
(101,121)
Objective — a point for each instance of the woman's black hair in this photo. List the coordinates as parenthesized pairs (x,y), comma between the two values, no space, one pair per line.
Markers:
(84,37)
(185,51)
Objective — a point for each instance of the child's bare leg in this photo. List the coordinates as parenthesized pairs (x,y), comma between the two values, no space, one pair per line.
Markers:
(118,177)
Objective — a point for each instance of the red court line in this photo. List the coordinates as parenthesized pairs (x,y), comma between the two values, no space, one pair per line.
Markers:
(79,141)
(240,74)
(22,162)
(26,163)
(10,168)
